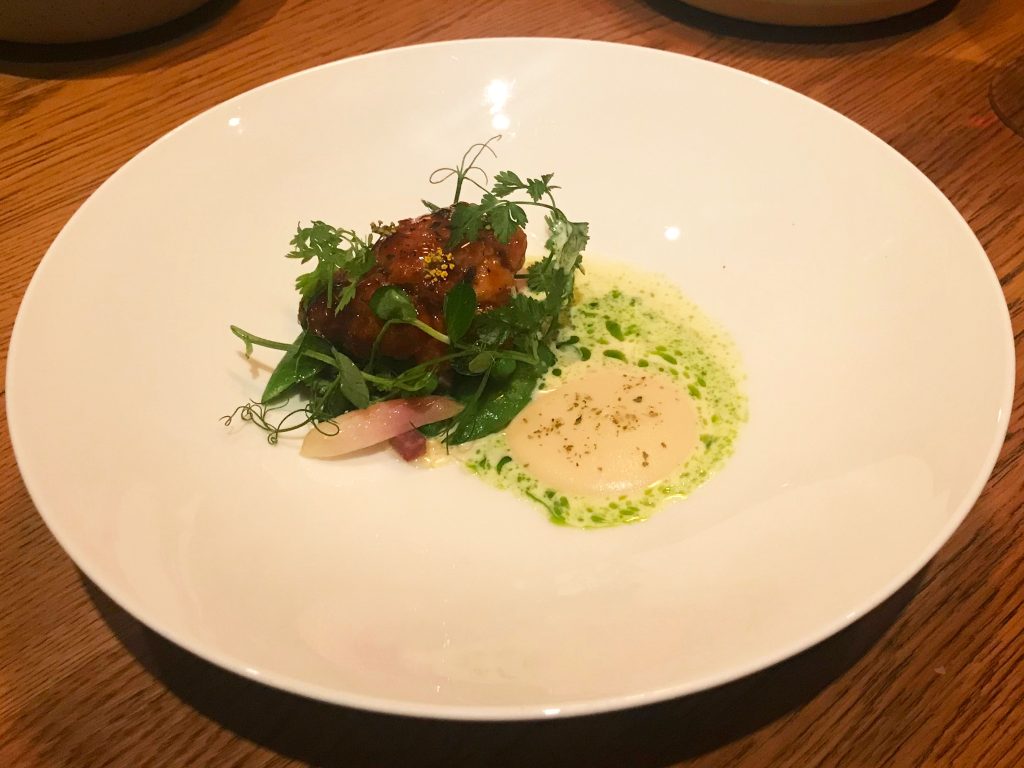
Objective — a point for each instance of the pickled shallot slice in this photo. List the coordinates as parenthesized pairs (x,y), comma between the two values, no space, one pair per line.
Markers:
(369,426)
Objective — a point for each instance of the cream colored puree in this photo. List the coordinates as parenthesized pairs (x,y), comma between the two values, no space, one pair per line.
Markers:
(643,408)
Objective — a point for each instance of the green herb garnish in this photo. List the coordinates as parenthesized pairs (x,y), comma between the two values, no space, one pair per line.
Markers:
(494,359)
(334,249)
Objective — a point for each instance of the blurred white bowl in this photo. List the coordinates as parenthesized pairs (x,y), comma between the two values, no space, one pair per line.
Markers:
(77,21)
(810,12)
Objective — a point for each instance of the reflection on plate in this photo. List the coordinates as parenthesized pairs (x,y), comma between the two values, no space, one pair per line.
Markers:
(874,336)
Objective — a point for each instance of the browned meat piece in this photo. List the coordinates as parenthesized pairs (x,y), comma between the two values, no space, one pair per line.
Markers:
(409,445)
(356,326)
(415,259)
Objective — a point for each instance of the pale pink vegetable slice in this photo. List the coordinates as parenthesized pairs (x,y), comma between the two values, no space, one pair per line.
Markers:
(382,421)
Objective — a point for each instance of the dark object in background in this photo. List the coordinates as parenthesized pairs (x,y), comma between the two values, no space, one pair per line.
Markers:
(810,12)
(77,21)
(1007,95)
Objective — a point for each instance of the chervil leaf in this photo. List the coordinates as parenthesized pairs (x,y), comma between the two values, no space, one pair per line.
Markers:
(505,183)
(493,328)
(557,283)
(466,222)
(538,275)
(527,312)
(566,241)
(505,219)
(489,202)
(536,188)
(523,316)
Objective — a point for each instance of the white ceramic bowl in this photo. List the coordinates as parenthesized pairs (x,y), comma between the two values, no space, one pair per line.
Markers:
(873,333)
(76,21)
(810,12)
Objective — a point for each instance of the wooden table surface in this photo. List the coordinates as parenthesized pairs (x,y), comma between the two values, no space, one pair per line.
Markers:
(934,677)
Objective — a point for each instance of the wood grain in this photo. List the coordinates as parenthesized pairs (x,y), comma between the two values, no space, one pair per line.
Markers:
(935,677)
